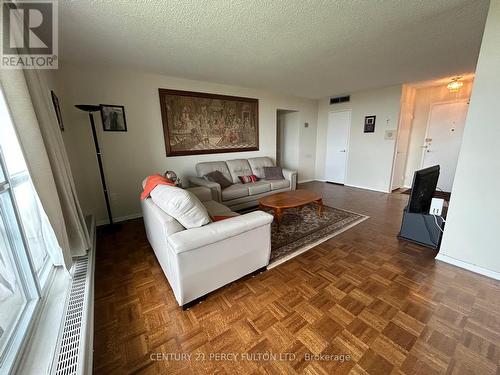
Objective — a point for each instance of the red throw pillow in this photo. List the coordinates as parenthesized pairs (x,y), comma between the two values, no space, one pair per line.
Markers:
(247,179)
(219,218)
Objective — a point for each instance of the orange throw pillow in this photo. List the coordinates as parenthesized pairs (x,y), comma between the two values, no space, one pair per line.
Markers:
(219,218)
(152,182)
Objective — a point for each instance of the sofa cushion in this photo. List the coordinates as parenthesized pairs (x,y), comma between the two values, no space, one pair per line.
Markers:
(181,204)
(258,164)
(238,167)
(258,187)
(273,173)
(205,168)
(277,184)
(217,209)
(218,177)
(234,191)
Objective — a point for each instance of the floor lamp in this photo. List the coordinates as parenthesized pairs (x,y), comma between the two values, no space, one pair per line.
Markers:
(90,109)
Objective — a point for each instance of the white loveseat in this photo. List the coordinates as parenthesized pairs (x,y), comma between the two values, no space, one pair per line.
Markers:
(238,195)
(200,260)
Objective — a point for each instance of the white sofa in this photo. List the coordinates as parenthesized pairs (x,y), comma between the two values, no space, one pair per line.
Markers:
(238,195)
(200,260)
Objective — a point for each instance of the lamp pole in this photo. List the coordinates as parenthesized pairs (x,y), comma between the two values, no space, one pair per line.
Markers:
(90,109)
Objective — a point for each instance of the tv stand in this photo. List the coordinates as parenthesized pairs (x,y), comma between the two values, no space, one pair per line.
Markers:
(421,229)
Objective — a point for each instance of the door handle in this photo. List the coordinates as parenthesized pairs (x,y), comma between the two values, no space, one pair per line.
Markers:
(342,150)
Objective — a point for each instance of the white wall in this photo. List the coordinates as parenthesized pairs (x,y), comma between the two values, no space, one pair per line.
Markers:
(424,98)
(471,233)
(370,156)
(130,156)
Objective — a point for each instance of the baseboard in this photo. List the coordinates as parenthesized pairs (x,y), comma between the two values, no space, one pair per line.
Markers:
(334,183)
(119,219)
(304,181)
(468,266)
(354,186)
(367,188)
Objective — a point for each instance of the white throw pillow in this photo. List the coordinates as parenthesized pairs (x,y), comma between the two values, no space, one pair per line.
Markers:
(182,205)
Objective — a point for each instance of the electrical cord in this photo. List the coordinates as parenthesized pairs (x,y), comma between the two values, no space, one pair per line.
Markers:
(439,227)
(429,232)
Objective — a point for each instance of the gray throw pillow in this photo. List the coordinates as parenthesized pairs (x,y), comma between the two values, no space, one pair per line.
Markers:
(218,177)
(273,173)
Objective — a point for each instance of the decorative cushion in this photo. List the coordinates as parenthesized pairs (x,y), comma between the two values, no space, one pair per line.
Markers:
(258,164)
(209,166)
(238,167)
(152,182)
(247,179)
(218,177)
(181,204)
(273,173)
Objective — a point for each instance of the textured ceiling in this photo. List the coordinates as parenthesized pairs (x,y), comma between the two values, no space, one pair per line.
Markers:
(308,48)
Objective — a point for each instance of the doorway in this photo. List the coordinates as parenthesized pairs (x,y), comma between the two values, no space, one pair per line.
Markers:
(403,137)
(337,146)
(287,138)
(443,140)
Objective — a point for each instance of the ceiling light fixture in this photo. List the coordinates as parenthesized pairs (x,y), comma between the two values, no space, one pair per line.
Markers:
(455,85)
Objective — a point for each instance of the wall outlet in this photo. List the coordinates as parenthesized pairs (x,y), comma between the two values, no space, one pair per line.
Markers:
(436,206)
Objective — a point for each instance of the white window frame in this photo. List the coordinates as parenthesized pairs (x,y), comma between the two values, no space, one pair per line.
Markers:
(34,286)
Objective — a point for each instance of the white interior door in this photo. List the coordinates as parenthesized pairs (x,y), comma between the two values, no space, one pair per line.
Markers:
(444,139)
(337,143)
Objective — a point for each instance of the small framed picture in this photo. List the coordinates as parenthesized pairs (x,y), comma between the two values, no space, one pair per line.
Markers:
(370,124)
(113,118)
(57,109)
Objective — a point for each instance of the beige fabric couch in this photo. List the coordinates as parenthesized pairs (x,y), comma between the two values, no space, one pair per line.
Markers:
(238,195)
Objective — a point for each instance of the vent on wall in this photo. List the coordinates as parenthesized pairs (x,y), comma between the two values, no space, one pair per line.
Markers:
(340,99)
(73,329)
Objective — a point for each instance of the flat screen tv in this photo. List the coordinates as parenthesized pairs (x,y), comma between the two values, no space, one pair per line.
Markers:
(422,190)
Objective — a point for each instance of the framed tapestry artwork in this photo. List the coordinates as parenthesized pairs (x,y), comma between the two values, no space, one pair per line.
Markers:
(201,123)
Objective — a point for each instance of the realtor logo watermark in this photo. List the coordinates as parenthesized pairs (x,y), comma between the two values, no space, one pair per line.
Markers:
(30,37)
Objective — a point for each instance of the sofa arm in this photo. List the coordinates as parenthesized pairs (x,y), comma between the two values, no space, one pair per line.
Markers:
(195,238)
(292,177)
(203,193)
(213,186)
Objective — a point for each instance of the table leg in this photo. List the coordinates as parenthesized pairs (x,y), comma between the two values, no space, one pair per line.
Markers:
(319,202)
(278,214)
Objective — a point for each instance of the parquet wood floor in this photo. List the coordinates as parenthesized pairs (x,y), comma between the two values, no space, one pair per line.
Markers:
(387,304)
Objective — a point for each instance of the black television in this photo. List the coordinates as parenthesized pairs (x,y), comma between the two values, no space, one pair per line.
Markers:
(422,190)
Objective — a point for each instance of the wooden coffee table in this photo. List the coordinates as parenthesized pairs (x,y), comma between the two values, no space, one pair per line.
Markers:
(290,199)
